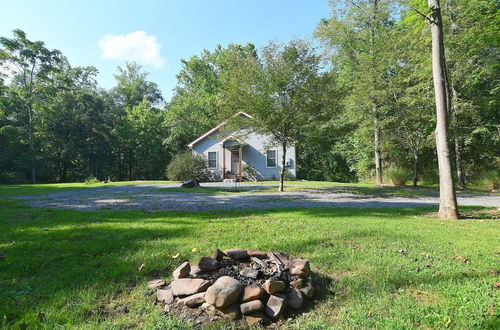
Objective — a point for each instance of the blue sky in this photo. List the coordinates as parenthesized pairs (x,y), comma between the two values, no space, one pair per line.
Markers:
(156,33)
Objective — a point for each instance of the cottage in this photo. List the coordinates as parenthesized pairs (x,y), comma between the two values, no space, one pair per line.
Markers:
(242,155)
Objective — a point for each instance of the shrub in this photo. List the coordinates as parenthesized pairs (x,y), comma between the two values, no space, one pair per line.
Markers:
(250,173)
(186,166)
(91,180)
(398,176)
(491,179)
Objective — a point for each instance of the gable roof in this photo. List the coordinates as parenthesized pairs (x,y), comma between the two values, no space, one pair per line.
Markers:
(207,133)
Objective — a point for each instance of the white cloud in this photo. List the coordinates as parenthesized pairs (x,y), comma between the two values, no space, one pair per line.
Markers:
(136,46)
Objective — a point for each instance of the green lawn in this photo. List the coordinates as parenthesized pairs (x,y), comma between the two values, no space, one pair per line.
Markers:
(40,189)
(384,268)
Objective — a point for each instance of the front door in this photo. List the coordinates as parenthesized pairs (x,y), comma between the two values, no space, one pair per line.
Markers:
(235,162)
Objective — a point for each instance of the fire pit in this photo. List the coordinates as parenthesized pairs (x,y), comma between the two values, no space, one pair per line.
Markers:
(256,286)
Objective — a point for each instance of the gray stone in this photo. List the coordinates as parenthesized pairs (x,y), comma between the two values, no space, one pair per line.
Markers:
(195,271)
(225,291)
(251,306)
(275,306)
(208,264)
(189,286)
(182,271)
(294,298)
(194,300)
(271,286)
(251,292)
(237,254)
(165,295)
(300,267)
(156,283)
(218,255)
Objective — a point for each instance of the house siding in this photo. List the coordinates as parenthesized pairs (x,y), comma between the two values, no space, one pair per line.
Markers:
(253,154)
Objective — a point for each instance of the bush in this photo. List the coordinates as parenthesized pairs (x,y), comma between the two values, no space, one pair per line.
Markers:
(398,176)
(250,173)
(91,180)
(186,166)
(491,179)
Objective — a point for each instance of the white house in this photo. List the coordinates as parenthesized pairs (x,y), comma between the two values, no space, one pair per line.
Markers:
(243,155)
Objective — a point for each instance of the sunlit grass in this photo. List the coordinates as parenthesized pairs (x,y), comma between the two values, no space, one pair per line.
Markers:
(383,268)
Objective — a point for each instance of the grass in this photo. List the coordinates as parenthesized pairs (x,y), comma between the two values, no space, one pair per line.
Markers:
(7,190)
(384,268)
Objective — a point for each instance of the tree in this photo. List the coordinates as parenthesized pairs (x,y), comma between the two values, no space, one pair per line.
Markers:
(447,199)
(196,105)
(283,91)
(357,35)
(33,63)
(132,89)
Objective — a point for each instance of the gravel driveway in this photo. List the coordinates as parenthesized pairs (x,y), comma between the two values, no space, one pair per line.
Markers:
(147,197)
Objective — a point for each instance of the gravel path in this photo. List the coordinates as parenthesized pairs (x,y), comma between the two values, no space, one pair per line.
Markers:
(144,197)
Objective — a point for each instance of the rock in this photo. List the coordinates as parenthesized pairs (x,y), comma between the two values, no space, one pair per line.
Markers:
(271,286)
(275,306)
(208,264)
(231,312)
(206,305)
(294,298)
(251,306)
(156,283)
(165,295)
(237,254)
(189,286)
(300,267)
(307,289)
(249,272)
(218,255)
(195,271)
(194,300)
(252,292)
(297,283)
(257,254)
(255,318)
(182,271)
(225,291)
(191,184)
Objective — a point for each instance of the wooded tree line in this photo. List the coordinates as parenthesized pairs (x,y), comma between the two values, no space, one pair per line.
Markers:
(359,106)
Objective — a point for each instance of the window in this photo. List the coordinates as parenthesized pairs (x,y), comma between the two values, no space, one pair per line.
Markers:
(271,158)
(212,159)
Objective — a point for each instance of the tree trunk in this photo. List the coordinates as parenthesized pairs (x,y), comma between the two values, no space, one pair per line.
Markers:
(283,168)
(415,169)
(447,199)
(378,158)
(459,164)
(32,148)
(376,119)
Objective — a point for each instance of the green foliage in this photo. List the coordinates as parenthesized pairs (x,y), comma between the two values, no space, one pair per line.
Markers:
(491,179)
(91,180)
(398,175)
(186,166)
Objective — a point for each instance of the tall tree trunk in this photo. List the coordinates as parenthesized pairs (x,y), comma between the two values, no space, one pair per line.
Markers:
(415,169)
(283,168)
(32,148)
(375,109)
(459,163)
(378,158)
(447,199)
